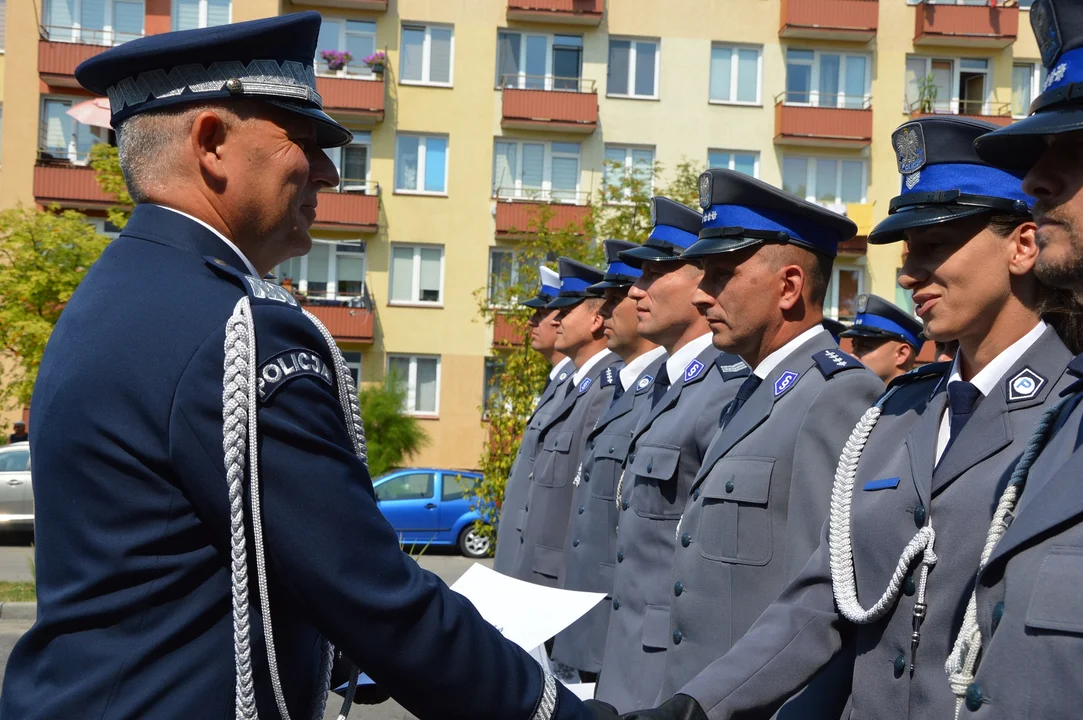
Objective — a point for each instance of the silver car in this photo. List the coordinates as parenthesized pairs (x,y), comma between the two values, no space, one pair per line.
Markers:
(16,490)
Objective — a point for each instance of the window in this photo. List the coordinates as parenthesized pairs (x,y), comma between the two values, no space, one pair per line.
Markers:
(64,138)
(417,274)
(104,227)
(457,486)
(825,181)
(15,460)
(1027,82)
(735,74)
(638,164)
(356,37)
(548,171)
(846,284)
(353,361)
(94,22)
(824,79)
(427,54)
(633,68)
(503,275)
(330,270)
(743,162)
(352,163)
(490,393)
(415,486)
(957,86)
(421,164)
(3,22)
(420,374)
(538,62)
(188,14)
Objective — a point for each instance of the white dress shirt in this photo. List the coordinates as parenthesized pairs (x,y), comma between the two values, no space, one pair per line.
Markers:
(581,373)
(772,360)
(679,360)
(223,238)
(632,370)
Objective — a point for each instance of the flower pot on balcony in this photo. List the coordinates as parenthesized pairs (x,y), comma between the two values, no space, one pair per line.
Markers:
(377,68)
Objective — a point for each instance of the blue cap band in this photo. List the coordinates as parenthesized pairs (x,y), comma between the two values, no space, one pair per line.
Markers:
(619,268)
(766,219)
(1069,69)
(882,323)
(574,284)
(675,236)
(972,179)
(549,290)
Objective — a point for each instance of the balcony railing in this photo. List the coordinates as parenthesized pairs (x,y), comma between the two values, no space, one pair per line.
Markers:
(993,112)
(520,218)
(534,102)
(824,123)
(359,99)
(68,185)
(573,12)
(541,195)
(505,332)
(354,204)
(851,20)
(350,319)
(373,5)
(61,49)
(993,26)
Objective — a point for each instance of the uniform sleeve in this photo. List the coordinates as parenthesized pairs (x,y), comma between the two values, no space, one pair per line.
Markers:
(423,643)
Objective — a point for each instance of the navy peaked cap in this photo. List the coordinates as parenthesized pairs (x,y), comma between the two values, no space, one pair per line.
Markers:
(618,274)
(944,178)
(575,281)
(878,318)
(550,286)
(268,60)
(674,227)
(1058,28)
(834,327)
(740,211)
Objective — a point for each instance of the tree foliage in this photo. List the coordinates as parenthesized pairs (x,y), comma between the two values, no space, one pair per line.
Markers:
(392,435)
(105,160)
(45,255)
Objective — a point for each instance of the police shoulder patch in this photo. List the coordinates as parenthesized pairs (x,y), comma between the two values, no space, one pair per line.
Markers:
(259,291)
(585,385)
(785,381)
(611,376)
(831,362)
(693,370)
(289,365)
(731,366)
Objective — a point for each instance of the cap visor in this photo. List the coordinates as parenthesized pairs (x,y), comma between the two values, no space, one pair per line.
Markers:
(604,285)
(859,331)
(893,228)
(329,133)
(535,303)
(1019,145)
(561,302)
(637,256)
(717,246)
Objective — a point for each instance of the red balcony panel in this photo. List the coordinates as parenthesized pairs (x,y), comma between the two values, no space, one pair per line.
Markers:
(1002,119)
(854,246)
(572,12)
(69,186)
(562,110)
(346,324)
(348,210)
(57,60)
(853,20)
(373,5)
(516,218)
(358,99)
(966,25)
(820,126)
(505,332)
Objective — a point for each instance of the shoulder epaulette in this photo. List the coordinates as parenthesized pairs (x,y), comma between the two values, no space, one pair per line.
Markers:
(731,366)
(259,291)
(832,362)
(611,376)
(929,371)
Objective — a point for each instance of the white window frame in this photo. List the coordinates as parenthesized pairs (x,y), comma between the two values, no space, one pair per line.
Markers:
(521,77)
(516,259)
(633,58)
(731,163)
(301,284)
(814,81)
(956,83)
(426,55)
(352,364)
(93,36)
(202,22)
(360,139)
(422,155)
(732,100)
(1037,81)
(629,164)
(810,176)
(99,225)
(344,32)
(411,383)
(831,301)
(73,146)
(516,190)
(415,279)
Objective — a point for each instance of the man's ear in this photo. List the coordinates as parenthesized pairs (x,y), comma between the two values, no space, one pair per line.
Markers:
(792,280)
(207,137)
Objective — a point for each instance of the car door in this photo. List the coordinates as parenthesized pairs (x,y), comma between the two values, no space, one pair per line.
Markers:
(455,501)
(408,501)
(15,495)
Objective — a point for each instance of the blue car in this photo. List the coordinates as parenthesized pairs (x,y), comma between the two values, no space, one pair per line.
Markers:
(428,506)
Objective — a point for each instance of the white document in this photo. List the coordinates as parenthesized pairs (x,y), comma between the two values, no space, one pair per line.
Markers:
(583,691)
(527,614)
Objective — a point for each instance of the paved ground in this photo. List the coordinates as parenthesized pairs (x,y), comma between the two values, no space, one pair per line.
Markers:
(16,551)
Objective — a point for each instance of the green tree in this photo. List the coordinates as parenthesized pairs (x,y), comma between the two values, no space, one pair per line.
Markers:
(45,255)
(392,435)
(105,160)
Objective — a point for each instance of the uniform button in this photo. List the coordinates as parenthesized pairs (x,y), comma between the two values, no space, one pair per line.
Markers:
(677,637)
(998,612)
(695,494)
(678,588)
(919,515)
(900,666)
(612,449)
(530,476)
(591,444)
(575,543)
(616,604)
(624,505)
(686,539)
(909,586)
(620,556)
(973,697)
(586,477)
(581,509)
(631,458)
(526,508)
(650,467)
(729,485)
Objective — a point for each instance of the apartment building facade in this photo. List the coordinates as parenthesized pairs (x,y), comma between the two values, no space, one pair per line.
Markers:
(487,107)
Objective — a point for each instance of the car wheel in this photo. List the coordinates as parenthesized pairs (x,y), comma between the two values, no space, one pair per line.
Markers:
(473,544)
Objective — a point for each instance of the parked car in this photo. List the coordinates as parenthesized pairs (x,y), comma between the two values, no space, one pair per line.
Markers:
(429,506)
(16,490)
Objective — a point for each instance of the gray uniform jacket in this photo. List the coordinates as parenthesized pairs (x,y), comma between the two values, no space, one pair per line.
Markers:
(560,445)
(666,450)
(511,510)
(1030,595)
(897,490)
(591,547)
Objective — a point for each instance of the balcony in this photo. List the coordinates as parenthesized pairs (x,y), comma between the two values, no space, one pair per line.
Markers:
(817,126)
(373,5)
(61,49)
(549,103)
(517,218)
(972,26)
(67,185)
(361,101)
(506,333)
(351,320)
(570,12)
(846,20)
(354,205)
(996,113)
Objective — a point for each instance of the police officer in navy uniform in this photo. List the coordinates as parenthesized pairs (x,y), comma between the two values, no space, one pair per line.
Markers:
(664,453)
(590,548)
(543,336)
(886,338)
(206,525)
(917,484)
(562,433)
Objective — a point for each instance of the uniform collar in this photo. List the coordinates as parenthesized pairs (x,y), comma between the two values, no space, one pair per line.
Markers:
(634,368)
(594,360)
(565,364)
(247,263)
(679,360)
(989,376)
(770,362)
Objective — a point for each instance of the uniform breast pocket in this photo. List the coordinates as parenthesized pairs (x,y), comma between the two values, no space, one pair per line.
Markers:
(559,445)
(1055,602)
(735,517)
(609,454)
(654,469)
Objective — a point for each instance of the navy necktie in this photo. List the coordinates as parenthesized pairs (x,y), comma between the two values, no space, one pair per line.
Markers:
(963,397)
(661,385)
(743,394)
(617,392)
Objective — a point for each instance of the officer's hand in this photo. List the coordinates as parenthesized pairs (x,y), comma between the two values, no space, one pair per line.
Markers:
(679,707)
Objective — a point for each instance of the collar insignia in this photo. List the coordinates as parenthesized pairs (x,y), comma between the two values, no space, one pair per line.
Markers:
(909,144)
(563,376)
(1024,385)
(1043,19)
(693,370)
(585,384)
(644,382)
(785,382)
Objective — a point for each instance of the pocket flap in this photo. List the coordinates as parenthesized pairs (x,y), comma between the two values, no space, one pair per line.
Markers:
(1055,602)
(656,627)
(547,561)
(559,442)
(746,480)
(658,462)
(612,447)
